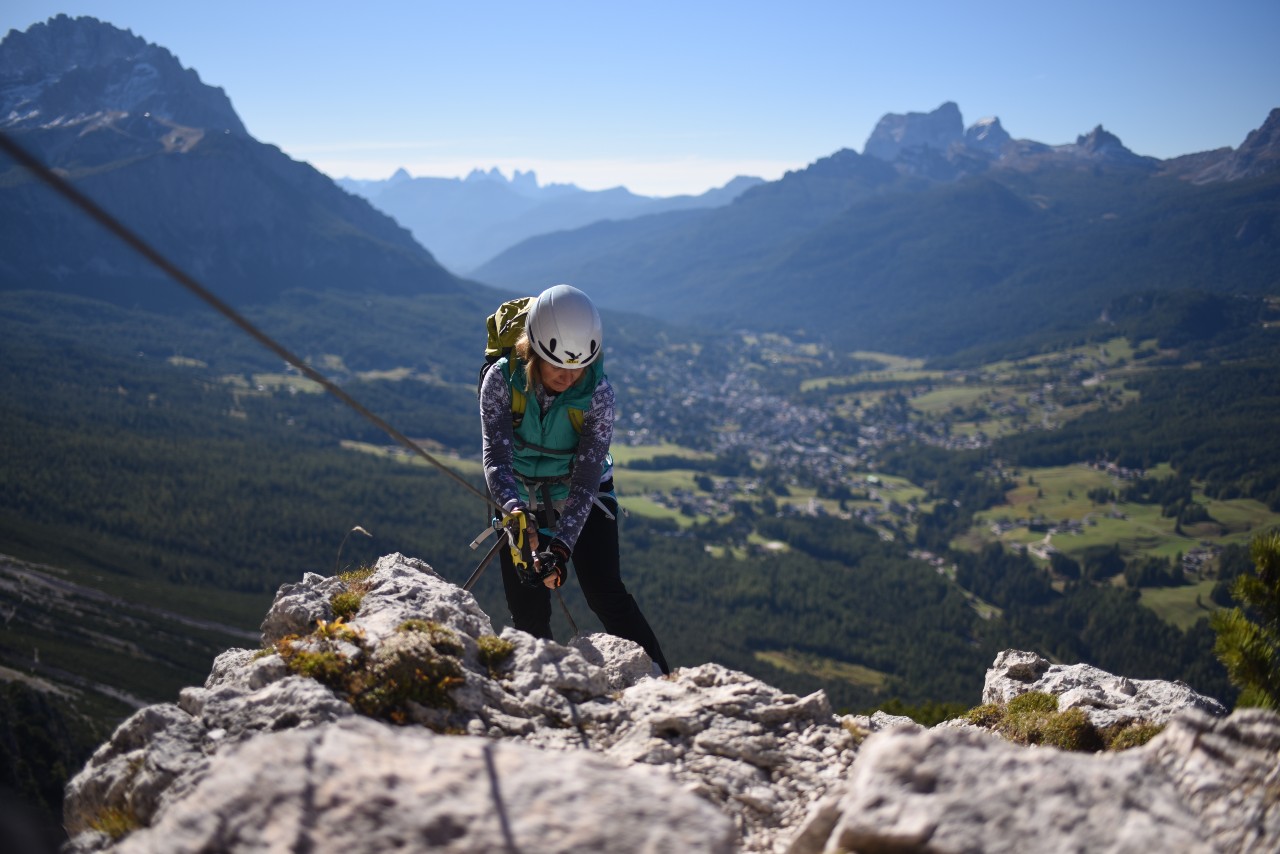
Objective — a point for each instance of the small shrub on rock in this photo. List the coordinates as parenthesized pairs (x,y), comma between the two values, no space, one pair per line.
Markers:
(1133,735)
(406,668)
(418,665)
(346,604)
(494,652)
(115,822)
(1033,718)
(356,583)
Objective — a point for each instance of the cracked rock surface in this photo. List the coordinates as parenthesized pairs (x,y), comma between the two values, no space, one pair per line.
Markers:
(517,743)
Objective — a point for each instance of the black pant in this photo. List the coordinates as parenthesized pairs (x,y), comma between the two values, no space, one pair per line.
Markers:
(596,563)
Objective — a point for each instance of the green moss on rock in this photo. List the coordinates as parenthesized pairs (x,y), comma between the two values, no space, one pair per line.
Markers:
(1033,718)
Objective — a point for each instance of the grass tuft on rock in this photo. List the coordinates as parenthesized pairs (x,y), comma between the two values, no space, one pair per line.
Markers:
(1034,718)
(355,584)
(494,652)
(417,666)
(346,604)
(115,822)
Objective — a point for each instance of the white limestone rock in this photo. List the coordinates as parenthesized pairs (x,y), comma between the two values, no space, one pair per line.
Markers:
(1204,784)
(759,755)
(135,770)
(1106,699)
(363,786)
(545,739)
(624,662)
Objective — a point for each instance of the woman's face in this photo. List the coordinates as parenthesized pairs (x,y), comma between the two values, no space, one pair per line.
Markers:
(558,379)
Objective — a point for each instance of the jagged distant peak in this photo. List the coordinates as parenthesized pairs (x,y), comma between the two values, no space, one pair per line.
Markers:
(63,43)
(519,179)
(897,132)
(399,175)
(987,134)
(1258,155)
(1102,145)
(72,70)
(1099,140)
(525,180)
(1265,140)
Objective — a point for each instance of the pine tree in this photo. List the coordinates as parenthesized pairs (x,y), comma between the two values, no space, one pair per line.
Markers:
(1248,641)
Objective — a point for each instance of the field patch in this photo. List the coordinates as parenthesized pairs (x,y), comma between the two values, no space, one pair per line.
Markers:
(828,669)
(1182,606)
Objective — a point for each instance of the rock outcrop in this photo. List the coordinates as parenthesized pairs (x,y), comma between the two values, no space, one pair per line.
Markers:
(1107,700)
(410,726)
(1204,784)
(896,133)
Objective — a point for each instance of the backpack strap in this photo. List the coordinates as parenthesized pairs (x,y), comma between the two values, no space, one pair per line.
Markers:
(520,402)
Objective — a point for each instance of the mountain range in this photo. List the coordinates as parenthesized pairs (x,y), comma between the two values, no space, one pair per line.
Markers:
(935,239)
(938,238)
(467,221)
(167,155)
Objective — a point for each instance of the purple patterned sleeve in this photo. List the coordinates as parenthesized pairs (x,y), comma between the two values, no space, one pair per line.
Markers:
(498,451)
(589,466)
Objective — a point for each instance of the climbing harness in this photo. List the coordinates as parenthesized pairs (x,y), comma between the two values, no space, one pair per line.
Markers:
(514,528)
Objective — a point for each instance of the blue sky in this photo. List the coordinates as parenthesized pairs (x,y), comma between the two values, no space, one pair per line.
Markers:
(675,97)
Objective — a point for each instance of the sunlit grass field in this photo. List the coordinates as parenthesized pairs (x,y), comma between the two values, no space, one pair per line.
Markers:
(824,668)
(1138,530)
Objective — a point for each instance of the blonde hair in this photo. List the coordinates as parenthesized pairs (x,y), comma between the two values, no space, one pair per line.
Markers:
(531,364)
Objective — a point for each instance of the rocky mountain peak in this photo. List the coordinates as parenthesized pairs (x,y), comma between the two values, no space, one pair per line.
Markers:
(896,133)
(1258,155)
(524,183)
(987,135)
(1100,145)
(72,71)
(53,47)
(493,174)
(1100,141)
(412,720)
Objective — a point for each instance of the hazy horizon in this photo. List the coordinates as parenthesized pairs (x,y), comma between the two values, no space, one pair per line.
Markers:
(669,99)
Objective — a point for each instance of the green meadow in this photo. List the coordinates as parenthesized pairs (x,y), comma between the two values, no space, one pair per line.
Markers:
(826,669)
(1055,495)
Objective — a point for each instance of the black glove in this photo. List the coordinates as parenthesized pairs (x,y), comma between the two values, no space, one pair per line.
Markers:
(553,562)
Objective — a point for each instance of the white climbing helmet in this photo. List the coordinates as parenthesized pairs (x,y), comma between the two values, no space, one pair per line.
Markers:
(564,328)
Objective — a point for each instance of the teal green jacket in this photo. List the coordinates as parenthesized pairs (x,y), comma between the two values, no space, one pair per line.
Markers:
(547,442)
(568,444)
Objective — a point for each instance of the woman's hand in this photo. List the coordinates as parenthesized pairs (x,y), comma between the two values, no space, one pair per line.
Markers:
(554,562)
